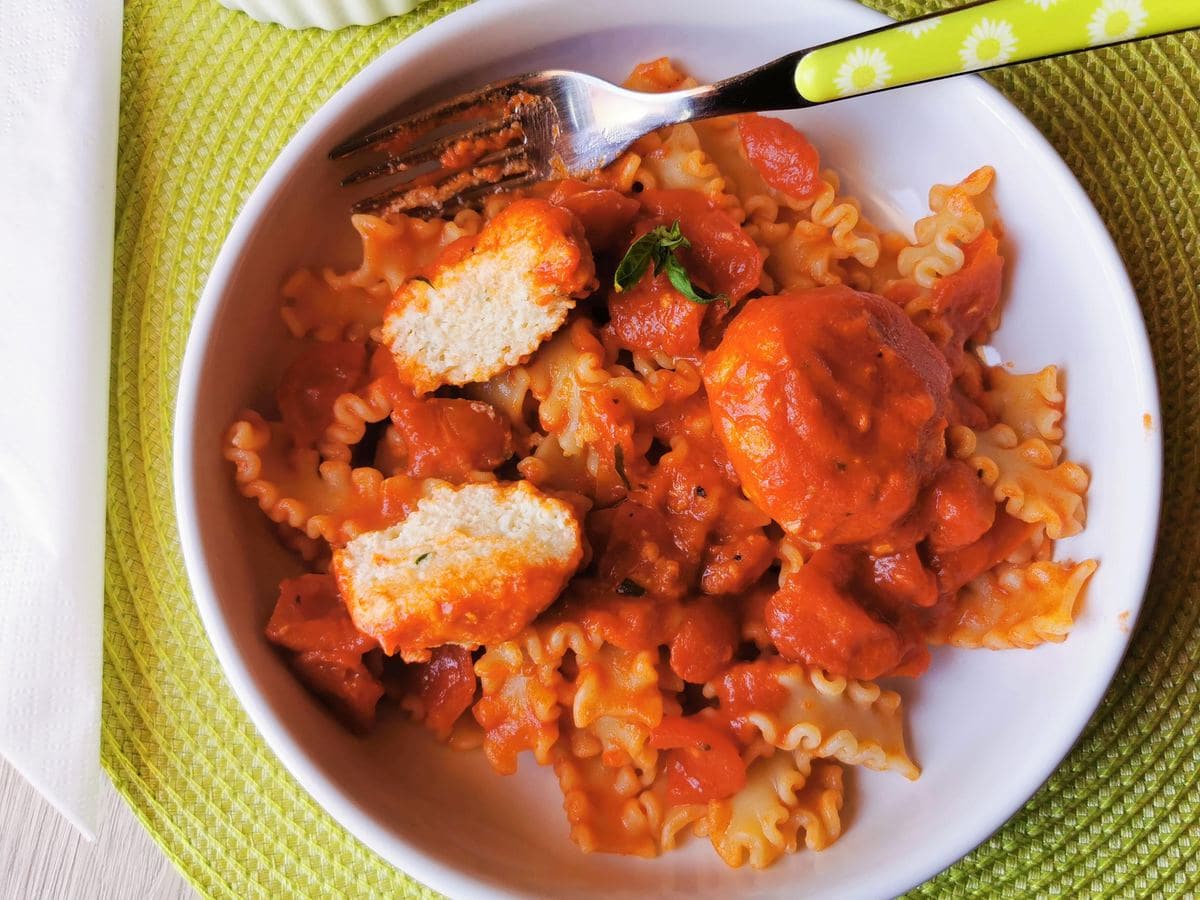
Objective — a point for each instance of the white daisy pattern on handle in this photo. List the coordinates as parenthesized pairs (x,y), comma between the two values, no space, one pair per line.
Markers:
(990,43)
(1042,4)
(1116,20)
(916,29)
(865,69)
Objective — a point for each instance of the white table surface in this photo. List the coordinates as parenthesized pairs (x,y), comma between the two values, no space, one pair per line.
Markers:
(44,858)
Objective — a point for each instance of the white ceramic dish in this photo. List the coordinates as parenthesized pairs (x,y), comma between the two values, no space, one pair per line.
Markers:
(327,14)
(986,727)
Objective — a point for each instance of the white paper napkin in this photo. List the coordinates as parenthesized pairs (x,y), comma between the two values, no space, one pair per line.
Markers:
(59,91)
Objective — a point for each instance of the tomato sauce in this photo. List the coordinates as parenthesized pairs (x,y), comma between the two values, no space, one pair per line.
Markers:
(606,215)
(309,615)
(750,687)
(958,508)
(449,438)
(832,407)
(856,610)
(822,412)
(722,258)
(817,617)
(955,568)
(635,546)
(630,621)
(344,682)
(652,316)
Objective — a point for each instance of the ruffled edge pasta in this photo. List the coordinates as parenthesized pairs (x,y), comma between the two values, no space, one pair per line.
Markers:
(1025,476)
(855,722)
(329,500)
(1031,404)
(1016,606)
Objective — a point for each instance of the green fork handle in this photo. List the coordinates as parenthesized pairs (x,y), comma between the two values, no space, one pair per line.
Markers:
(981,35)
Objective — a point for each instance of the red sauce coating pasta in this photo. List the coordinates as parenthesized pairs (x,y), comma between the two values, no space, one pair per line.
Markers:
(627,621)
(750,687)
(832,407)
(720,499)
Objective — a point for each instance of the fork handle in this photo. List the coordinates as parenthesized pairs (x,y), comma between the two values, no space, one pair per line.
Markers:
(983,35)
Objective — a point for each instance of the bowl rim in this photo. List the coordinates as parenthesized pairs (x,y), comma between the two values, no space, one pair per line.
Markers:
(415,863)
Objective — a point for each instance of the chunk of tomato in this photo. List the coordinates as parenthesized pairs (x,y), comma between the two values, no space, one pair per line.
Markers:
(722,257)
(445,685)
(605,214)
(705,642)
(342,679)
(967,299)
(703,762)
(449,437)
(653,316)
(314,380)
(309,615)
(781,154)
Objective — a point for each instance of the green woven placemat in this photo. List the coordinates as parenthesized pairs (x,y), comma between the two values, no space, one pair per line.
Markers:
(209,97)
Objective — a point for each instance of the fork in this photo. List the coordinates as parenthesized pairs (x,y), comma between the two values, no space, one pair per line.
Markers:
(556,124)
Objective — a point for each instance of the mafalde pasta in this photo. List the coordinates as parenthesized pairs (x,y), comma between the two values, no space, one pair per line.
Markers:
(1016,606)
(1026,476)
(1031,405)
(328,305)
(648,478)
(756,824)
(794,708)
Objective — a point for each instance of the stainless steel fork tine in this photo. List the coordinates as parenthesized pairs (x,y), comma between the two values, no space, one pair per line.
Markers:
(575,124)
(433,194)
(479,104)
(503,130)
(472,199)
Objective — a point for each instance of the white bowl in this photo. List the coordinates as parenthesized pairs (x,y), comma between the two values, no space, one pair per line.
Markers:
(986,727)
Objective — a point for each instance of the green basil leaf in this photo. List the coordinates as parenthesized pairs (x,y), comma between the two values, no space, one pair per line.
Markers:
(636,262)
(655,246)
(682,282)
(671,238)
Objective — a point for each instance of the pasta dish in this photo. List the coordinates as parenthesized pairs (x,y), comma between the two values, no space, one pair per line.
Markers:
(654,475)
